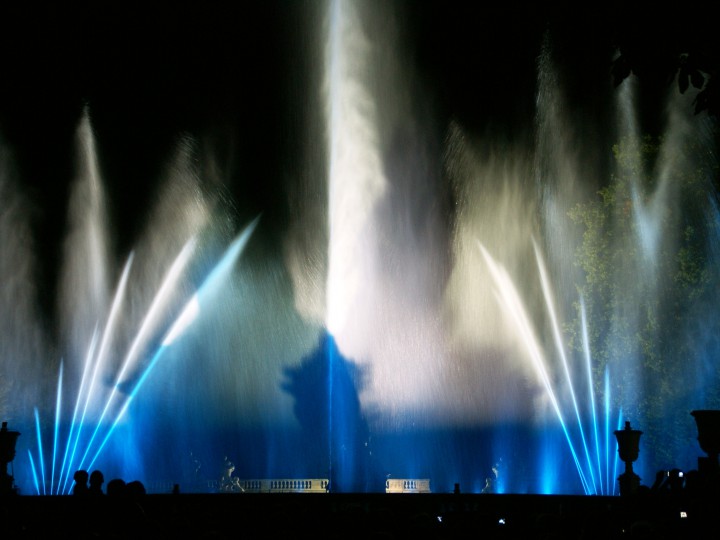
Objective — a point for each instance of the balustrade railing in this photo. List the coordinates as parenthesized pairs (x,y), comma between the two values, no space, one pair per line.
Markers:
(407,485)
(286,485)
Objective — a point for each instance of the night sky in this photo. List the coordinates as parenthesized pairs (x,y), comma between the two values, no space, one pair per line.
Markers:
(238,78)
(149,73)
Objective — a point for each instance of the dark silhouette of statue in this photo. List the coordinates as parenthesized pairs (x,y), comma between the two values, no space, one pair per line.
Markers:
(228,482)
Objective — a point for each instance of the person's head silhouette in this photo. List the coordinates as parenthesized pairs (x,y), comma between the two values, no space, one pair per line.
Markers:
(116,487)
(81,482)
(96,482)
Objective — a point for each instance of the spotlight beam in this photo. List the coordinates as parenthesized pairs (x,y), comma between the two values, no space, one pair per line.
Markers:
(104,342)
(58,401)
(507,296)
(208,289)
(162,295)
(71,455)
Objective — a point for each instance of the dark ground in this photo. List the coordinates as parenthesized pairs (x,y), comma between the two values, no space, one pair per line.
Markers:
(333,516)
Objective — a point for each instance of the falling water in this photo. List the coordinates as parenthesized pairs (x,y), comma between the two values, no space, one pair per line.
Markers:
(95,326)
(434,309)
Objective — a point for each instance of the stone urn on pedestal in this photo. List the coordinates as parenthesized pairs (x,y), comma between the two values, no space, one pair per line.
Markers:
(628,448)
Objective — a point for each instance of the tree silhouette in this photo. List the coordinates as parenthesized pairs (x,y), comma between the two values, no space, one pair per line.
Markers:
(662,47)
(326,389)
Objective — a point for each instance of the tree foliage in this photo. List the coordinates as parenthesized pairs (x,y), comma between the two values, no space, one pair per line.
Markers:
(650,287)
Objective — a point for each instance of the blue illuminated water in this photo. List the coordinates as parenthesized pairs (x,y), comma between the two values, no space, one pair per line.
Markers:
(422,314)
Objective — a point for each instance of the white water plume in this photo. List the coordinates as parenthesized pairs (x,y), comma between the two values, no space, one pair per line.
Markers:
(84,292)
(384,283)
(356,178)
(22,346)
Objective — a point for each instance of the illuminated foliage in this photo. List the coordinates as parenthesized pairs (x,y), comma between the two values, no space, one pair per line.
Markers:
(650,288)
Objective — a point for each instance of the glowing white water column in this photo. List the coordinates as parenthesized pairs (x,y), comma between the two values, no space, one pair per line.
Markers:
(356,180)
(85,289)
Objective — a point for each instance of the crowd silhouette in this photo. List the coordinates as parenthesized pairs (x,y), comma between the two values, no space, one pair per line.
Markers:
(92,485)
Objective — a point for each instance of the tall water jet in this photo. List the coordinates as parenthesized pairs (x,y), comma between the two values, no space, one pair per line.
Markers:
(599,244)
(649,270)
(23,377)
(117,337)
(435,335)
(355,175)
(84,290)
(449,304)
(356,183)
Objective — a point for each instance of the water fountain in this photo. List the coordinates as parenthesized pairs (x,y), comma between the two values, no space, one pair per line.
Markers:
(443,307)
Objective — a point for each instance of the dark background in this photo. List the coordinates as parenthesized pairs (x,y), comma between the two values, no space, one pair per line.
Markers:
(236,76)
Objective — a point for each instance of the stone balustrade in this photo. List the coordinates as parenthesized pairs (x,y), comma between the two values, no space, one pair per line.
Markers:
(407,485)
(286,485)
